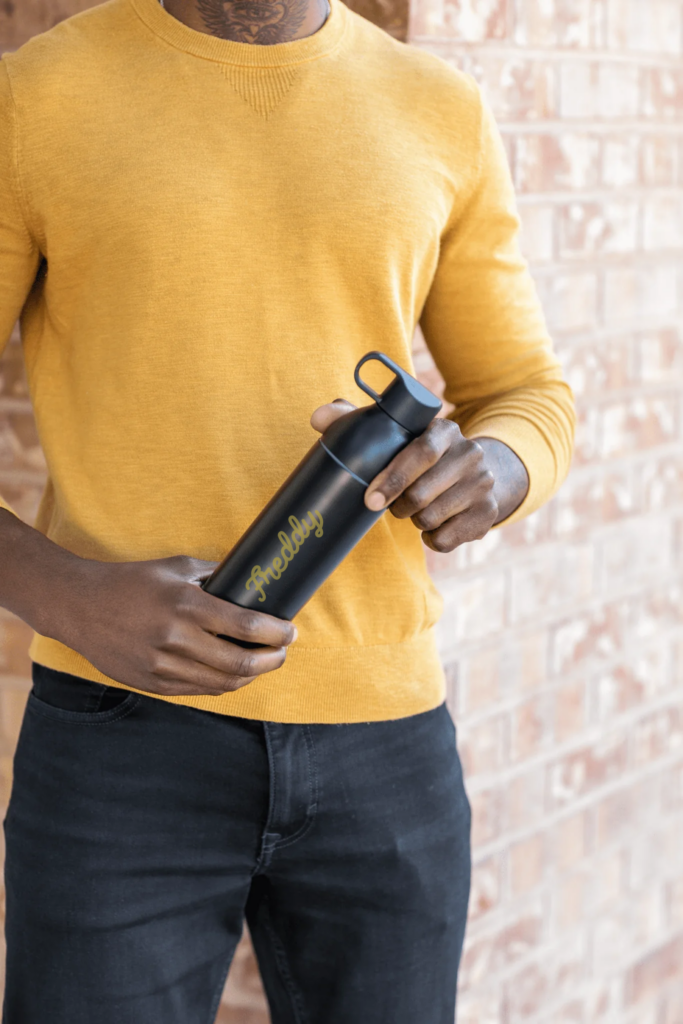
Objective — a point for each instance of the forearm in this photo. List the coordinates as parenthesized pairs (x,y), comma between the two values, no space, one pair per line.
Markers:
(35,574)
(511,480)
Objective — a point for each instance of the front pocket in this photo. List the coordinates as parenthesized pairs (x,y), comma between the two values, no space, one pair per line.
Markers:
(69,698)
(41,707)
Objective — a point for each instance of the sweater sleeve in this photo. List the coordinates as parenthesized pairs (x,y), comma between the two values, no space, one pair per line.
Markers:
(484,326)
(19,254)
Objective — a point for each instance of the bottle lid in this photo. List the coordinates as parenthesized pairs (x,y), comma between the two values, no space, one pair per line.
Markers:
(406,400)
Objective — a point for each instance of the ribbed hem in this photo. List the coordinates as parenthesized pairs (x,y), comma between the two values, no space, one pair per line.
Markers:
(316,685)
(201,44)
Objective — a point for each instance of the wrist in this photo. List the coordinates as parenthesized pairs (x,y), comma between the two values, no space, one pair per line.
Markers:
(511,480)
(40,580)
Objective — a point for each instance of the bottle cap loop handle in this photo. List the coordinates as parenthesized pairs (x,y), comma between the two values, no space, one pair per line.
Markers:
(406,400)
(380,358)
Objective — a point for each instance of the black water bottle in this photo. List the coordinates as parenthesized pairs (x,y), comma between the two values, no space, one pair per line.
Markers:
(319,515)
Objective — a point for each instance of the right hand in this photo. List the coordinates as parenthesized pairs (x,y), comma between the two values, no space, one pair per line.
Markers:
(151,626)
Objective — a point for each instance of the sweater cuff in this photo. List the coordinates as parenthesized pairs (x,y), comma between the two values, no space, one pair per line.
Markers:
(530,445)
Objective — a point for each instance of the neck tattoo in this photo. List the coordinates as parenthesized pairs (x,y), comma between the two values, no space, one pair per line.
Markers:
(265,22)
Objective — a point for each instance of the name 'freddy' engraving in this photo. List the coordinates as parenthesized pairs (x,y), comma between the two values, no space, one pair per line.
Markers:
(290,547)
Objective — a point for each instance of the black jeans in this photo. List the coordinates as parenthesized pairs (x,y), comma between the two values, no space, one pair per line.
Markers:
(141,833)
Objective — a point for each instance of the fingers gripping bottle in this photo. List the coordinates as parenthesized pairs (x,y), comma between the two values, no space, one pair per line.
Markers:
(319,515)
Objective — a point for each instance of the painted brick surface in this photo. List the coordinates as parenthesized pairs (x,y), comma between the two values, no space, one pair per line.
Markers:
(573,757)
(562,636)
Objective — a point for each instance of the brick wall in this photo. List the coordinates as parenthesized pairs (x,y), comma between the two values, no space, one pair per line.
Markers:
(562,635)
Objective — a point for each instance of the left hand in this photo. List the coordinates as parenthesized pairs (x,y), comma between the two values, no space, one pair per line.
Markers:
(454,489)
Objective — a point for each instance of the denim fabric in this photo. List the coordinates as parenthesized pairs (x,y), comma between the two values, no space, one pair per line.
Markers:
(140,834)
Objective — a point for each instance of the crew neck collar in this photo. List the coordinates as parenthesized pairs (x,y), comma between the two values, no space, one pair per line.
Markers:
(201,44)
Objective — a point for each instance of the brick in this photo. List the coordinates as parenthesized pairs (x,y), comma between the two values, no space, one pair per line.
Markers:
(621,160)
(453,688)
(537,236)
(673,901)
(525,800)
(534,990)
(19,444)
(530,728)
(615,816)
(578,89)
(608,881)
(527,864)
(570,901)
(585,640)
(491,953)
(624,687)
(12,377)
(612,942)
(637,425)
(392,16)
(481,682)
(486,887)
(516,88)
(655,610)
(658,160)
(15,637)
(554,23)
(479,1008)
(653,970)
(588,229)
(633,293)
(585,502)
(585,770)
(570,300)
(663,223)
(482,745)
(651,28)
(569,710)
(618,91)
(569,837)
(586,436)
(12,707)
(663,93)
(20,21)
(464,20)
(23,497)
(487,815)
(472,609)
(243,990)
(535,586)
(657,735)
(570,161)
(599,366)
(634,551)
(660,356)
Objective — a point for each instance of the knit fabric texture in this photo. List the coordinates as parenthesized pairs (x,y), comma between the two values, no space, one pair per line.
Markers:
(202,238)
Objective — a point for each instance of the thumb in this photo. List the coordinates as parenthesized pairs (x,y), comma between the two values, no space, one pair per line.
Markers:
(325,415)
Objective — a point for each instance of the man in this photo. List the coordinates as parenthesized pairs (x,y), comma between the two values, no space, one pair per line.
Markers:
(208,213)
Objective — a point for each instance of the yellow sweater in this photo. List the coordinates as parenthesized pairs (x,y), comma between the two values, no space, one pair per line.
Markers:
(204,237)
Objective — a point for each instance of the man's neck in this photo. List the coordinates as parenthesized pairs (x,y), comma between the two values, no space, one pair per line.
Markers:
(263,22)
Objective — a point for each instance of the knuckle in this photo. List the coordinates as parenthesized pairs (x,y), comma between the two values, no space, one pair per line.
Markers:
(395,481)
(427,519)
(432,442)
(247,664)
(157,662)
(441,544)
(250,623)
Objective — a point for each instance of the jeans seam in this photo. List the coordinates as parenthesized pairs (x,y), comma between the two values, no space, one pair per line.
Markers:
(280,953)
(266,847)
(312,769)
